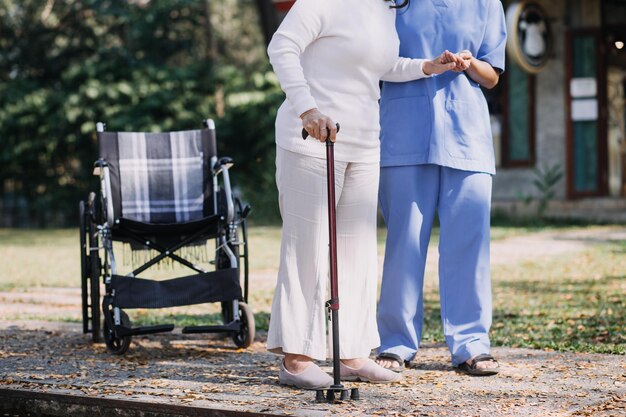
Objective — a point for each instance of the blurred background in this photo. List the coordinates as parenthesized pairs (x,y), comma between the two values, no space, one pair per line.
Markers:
(558,114)
(135,65)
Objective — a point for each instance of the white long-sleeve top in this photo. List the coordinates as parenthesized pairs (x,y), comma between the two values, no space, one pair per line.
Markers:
(330,55)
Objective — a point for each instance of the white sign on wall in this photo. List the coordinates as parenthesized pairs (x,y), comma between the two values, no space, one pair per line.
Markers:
(583,87)
(584,110)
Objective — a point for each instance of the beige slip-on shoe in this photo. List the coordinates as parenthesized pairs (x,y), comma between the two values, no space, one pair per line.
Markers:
(311,378)
(370,372)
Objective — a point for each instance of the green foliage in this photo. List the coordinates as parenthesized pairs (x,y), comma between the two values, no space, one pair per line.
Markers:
(134,65)
(544,182)
(246,133)
(545,179)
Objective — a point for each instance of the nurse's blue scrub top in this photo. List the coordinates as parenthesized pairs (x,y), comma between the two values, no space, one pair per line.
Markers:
(444,119)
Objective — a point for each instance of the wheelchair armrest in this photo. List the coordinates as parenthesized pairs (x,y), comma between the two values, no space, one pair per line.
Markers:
(223,162)
(98,165)
(226,160)
(101,169)
(221,166)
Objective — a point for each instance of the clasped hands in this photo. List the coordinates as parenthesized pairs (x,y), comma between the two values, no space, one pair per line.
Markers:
(448,61)
(319,126)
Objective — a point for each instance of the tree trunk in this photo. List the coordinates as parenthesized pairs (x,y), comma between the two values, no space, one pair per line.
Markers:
(210,49)
(269,20)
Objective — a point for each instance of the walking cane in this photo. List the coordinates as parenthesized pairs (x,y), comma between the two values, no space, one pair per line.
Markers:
(333,304)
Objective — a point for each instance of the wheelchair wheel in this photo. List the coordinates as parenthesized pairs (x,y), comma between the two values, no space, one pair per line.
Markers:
(84,261)
(242,253)
(89,268)
(91,216)
(223,263)
(117,345)
(240,249)
(245,336)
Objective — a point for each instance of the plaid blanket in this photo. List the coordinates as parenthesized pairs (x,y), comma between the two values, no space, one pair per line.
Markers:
(161,176)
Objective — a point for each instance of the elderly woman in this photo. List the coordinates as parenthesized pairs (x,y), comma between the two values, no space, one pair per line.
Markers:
(329,57)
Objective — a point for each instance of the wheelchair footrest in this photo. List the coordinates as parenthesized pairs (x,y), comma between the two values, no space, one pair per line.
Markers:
(135,331)
(234,326)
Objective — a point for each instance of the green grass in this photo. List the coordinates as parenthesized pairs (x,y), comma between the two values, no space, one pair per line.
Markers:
(150,318)
(565,303)
(51,258)
(33,259)
(39,258)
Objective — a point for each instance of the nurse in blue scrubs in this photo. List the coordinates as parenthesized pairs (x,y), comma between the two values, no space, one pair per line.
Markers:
(437,158)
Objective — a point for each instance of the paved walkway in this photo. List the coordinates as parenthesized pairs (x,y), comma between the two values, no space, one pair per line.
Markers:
(207,372)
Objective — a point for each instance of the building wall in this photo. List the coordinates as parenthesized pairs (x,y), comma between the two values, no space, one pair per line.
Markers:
(584,13)
(550,124)
(513,183)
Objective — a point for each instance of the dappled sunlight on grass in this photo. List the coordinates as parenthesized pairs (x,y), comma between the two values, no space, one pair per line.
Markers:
(573,303)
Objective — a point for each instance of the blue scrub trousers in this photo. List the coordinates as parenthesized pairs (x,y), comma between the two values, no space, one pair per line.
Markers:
(409,197)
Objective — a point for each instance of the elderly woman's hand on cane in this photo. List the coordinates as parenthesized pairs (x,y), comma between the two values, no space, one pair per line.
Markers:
(318,125)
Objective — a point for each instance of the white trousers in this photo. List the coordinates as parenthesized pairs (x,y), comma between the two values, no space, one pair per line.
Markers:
(298,322)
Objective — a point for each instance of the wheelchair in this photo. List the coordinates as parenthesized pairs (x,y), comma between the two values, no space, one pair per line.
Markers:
(163,192)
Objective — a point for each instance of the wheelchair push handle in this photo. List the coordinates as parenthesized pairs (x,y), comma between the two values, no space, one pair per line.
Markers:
(209,124)
(305,134)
